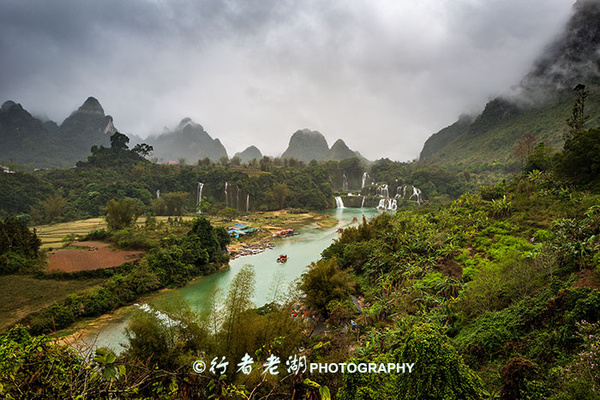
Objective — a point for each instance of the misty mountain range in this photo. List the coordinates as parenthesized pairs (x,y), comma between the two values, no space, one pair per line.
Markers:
(539,105)
(25,139)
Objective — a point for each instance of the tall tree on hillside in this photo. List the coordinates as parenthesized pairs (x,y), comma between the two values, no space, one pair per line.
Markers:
(279,193)
(174,202)
(578,117)
(143,149)
(580,159)
(525,147)
(53,206)
(118,141)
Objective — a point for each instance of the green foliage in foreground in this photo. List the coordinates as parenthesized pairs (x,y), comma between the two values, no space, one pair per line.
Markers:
(18,246)
(507,275)
(438,372)
(325,282)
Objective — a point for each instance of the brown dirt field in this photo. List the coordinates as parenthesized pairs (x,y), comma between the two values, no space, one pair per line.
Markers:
(93,255)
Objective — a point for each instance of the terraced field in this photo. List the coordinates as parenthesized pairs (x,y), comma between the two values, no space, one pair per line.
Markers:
(52,235)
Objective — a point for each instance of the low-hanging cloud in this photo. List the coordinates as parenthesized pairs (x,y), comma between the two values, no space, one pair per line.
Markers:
(382,75)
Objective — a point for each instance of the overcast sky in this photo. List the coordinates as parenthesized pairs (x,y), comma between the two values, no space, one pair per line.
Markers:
(381,74)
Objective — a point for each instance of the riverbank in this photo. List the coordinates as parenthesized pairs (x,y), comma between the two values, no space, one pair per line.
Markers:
(272,279)
(266,223)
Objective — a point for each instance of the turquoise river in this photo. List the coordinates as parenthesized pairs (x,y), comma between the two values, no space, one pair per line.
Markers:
(270,276)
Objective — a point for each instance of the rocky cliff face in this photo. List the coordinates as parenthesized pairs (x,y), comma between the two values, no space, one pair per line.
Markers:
(574,57)
(306,145)
(87,126)
(22,136)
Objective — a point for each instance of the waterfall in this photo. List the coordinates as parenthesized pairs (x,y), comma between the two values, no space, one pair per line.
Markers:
(226,196)
(248,202)
(237,197)
(416,193)
(199,196)
(387,205)
(157,193)
(403,191)
(344,183)
(383,191)
(362,203)
(338,202)
(364,179)
(199,192)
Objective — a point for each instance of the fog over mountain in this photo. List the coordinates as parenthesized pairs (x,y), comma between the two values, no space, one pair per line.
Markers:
(538,106)
(381,75)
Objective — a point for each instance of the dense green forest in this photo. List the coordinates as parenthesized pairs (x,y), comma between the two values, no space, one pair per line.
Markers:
(492,295)
(58,195)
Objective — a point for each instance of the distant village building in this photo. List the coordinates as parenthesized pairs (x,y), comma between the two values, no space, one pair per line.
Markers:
(239,230)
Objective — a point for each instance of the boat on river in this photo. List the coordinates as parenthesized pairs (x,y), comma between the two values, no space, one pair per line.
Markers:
(284,233)
(282,258)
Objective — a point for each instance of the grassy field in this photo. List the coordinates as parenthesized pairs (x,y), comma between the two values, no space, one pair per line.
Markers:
(21,295)
(52,235)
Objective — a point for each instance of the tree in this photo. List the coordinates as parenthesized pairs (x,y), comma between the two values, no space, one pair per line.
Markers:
(203,206)
(539,159)
(118,142)
(222,236)
(122,213)
(580,159)
(266,165)
(143,149)
(203,231)
(325,281)
(18,245)
(238,300)
(525,147)
(174,202)
(439,372)
(279,193)
(53,206)
(578,117)
(229,212)
(236,160)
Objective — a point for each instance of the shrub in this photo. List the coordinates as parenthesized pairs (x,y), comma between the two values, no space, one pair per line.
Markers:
(122,213)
